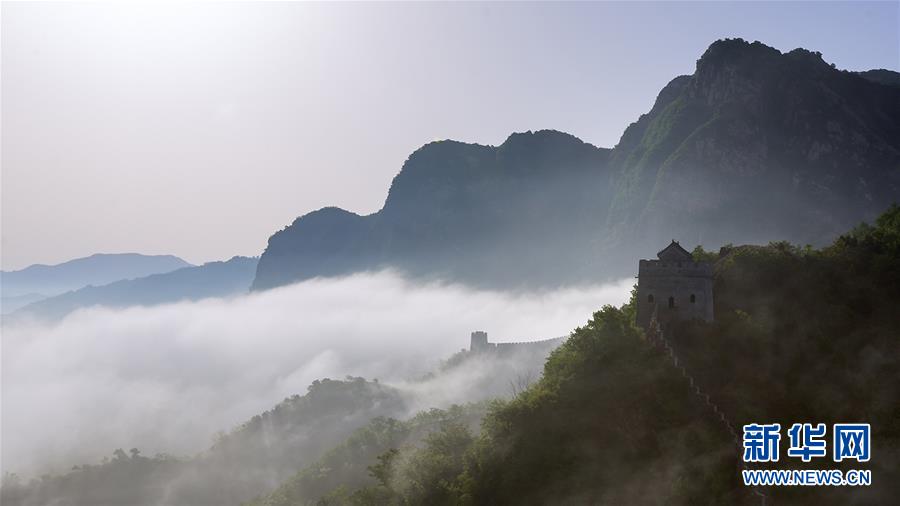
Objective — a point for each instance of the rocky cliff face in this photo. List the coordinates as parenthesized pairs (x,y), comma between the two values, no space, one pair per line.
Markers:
(754,146)
(479,214)
(758,145)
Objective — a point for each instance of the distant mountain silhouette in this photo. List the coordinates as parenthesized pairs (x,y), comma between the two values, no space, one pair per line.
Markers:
(461,211)
(754,146)
(40,280)
(213,279)
(14,302)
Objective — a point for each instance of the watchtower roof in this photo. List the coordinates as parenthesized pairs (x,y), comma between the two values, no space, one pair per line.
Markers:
(675,253)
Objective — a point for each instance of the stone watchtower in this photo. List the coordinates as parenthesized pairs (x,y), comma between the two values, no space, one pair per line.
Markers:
(676,286)
(479,341)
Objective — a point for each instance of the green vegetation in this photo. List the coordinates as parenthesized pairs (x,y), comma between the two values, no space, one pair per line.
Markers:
(800,335)
(754,145)
(610,421)
(251,459)
(343,474)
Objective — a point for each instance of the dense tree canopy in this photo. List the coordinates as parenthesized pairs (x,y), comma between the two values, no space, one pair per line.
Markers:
(801,335)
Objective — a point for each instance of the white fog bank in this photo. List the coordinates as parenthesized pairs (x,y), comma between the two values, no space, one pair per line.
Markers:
(166,378)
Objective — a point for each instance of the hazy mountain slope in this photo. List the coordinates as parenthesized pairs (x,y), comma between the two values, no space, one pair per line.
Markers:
(327,242)
(754,146)
(298,442)
(213,279)
(99,269)
(481,214)
(251,459)
(799,335)
(348,466)
(12,303)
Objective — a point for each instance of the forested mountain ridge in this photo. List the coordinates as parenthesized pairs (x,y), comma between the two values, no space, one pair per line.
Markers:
(252,458)
(800,335)
(311,443)
(756,145)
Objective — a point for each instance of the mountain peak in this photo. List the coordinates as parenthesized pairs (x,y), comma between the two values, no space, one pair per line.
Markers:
(540,136)
(755,57)
(735,50)
(329,213)
(817,143)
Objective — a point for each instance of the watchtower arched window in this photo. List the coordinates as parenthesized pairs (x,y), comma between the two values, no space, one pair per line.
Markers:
(671,302)
(650,298)
(693,298)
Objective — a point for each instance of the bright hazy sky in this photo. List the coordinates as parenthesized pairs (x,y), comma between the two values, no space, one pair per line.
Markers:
(200,129)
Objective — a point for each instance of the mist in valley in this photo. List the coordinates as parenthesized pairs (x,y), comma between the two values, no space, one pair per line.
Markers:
(167,379)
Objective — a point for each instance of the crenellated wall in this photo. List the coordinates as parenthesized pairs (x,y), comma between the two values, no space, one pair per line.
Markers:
(479,343)
(679,290)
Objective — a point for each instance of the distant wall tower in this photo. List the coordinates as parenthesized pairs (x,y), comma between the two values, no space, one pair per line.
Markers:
(676,286)
(479,341)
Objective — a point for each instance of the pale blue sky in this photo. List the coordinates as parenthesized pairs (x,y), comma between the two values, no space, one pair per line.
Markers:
(200,129)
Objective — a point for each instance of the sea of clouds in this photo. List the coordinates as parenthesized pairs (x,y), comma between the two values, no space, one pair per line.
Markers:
(167,378)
